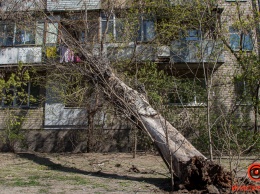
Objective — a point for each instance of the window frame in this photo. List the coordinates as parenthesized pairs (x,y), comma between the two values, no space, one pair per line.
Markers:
(5,33)
(236,0)
(142,29)
(104,19)
(237,42)
(13,36)
(24,32)
(143,34)
(200,82)
(242,91)
(15,99)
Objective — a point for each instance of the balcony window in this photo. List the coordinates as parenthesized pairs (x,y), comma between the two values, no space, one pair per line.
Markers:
(240,40)
(146,30)
(21,34)
(108,26)
(24,36)
(39,33)
(52,33)
(191,34)
(112,28)
(6,34)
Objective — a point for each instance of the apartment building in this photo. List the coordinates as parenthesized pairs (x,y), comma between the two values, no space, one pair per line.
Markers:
(35,32)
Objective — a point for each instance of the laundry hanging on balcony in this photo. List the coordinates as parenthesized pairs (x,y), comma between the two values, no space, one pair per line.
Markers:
(66,55)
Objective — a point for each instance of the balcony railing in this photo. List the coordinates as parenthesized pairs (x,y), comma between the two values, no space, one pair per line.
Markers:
(18,5)
(69,5)
(197,51)
(126,52)
(15,55)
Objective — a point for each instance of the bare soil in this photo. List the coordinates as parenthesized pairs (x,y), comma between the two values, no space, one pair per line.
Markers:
(82,173)
(87,173)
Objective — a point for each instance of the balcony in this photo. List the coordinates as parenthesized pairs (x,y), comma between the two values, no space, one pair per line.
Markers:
(197,51)
(18,5)
(69,5)
(15,55)
(140,52)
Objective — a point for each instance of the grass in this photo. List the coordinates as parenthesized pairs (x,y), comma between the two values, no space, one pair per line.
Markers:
(75,180)
(19,175)
(19,182)
(124,184)
(43,190)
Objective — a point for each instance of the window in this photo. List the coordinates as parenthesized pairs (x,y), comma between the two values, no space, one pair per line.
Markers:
(116,28)
(108,26)
(21,34)
(52,32)
(237,0)
(188,92)
(241,40)
(24,35)
(74,91)
(39,33)
(6,34)
(192,35)
(242,90)
(146,30)
(24,96)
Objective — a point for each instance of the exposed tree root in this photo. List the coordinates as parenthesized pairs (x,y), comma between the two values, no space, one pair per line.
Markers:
(199,174)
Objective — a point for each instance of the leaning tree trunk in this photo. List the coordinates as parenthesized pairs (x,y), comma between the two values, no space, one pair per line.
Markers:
(189,165)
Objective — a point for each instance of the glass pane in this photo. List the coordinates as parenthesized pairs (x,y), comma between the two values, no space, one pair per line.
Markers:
(232,30)
(149,30)
(120,30)
(9,33)
(139,33)
(193,35)
(234,41)
(247,42)
(39,33)
(29,37)
(19,37)
(188,91)
(22,95)
(9,97)
(2,34)
(52,33)
(25,36)
(104,24)
(110,29)
(34,95)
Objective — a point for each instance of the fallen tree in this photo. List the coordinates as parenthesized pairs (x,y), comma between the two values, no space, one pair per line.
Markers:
(191,168)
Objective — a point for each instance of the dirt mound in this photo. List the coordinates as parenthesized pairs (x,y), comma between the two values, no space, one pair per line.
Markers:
(201,174)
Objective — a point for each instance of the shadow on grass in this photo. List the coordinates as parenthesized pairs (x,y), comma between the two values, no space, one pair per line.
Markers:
(161,183)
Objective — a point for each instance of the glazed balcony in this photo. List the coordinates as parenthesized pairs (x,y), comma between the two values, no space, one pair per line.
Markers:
(197,52)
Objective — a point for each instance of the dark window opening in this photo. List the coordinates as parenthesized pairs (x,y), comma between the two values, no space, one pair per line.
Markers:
(188,92)
(28,95)
(242,91)
(6,34)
